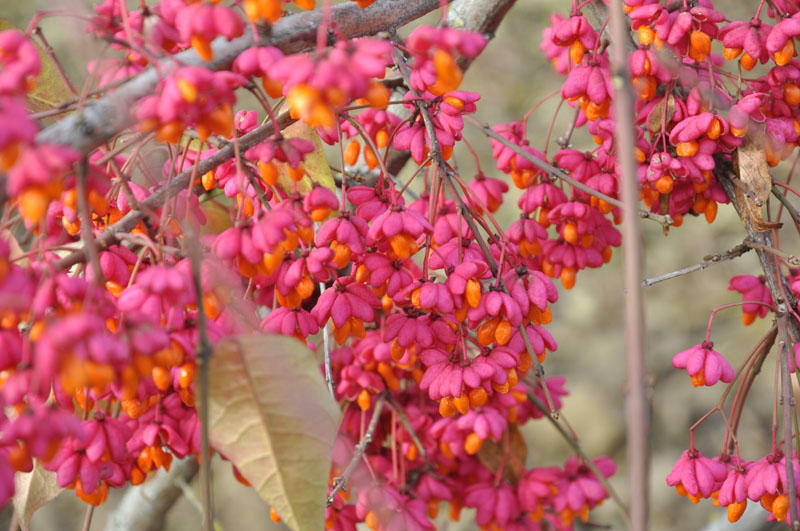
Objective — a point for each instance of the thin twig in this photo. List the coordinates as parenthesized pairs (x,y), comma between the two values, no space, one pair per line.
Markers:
(787,204)
(783,255)
(202,358)
(340,482)
(407,425)
(788,403)
(551,170)
(85,217)
(709,260)
(326,344)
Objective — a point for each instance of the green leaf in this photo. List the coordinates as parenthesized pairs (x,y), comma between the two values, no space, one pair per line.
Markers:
(315,164)
(272,416)
(33,489)
(50,89)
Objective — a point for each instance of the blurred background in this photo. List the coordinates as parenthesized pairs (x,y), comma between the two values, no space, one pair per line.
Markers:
(512,75)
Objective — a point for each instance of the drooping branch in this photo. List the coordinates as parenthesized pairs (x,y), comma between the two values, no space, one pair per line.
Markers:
(102,119)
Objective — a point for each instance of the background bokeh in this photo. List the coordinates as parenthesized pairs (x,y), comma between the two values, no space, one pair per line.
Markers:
(512,75)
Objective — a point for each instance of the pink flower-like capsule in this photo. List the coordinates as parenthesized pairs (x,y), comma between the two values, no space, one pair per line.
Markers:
(345,234)
(545,196)
(579,490)
(695,127)
(18,130)
(387,276)
(523,172)
(290,322)
(317,88)
(527,234)
(753,289)
(558,55)
(37,178)
(320,202)
(733,491)
(201,23)
(20,63)
(767,476)
(696,475)
(495,504)
(405,331)
(435,50)
(430,296)
(349,304)
(397,230)
(489,192)
(535,488)
(748,37)
(257,62)
(780,42)
(191,96)
(590,86)
(704,365)
(297,276)
(384,507)
(464,282)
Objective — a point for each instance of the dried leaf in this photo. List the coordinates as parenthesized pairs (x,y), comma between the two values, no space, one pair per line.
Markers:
(272,416)
(49,90)
(661,114)
(755,184)
(315,164)
(33,489)
(493,456)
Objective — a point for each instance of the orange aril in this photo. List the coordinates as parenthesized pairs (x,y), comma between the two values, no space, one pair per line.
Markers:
(351,153)
(472,443)
(568,275)
(687,149)
(785,54)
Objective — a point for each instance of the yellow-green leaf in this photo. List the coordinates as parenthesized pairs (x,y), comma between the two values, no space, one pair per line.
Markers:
(49,90)
(33,489)
(315,164)
(218,218)
(272,416)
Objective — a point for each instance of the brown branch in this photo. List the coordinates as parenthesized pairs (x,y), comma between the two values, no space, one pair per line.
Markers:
(784,304)
(101,120)
(709,260)
(144,507)
(203,355)
(638,406)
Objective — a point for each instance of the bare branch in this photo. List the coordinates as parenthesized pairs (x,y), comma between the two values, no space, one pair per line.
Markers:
(710,260)
(144,507)
(340,482)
